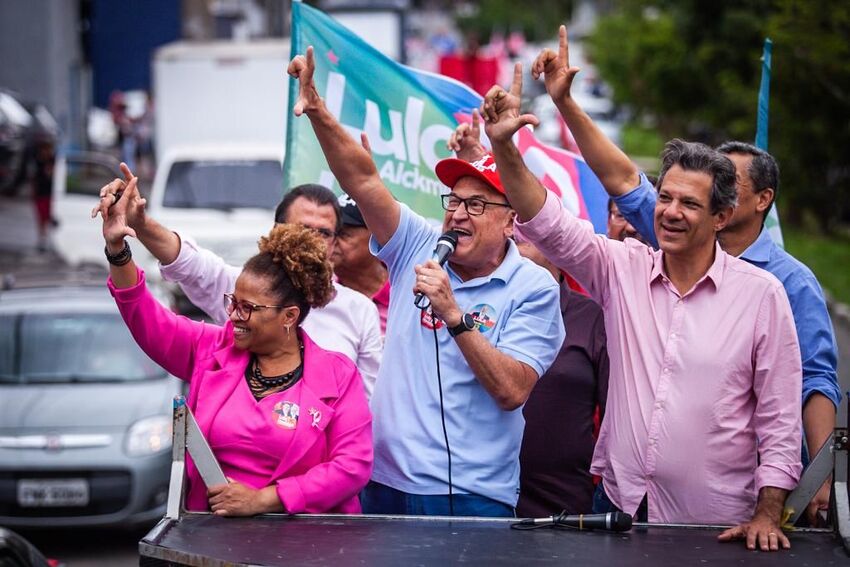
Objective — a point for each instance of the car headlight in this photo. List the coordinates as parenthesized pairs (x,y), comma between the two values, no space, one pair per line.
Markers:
(149,435)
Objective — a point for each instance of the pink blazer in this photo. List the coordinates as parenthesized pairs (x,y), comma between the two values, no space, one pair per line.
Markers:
(326,465)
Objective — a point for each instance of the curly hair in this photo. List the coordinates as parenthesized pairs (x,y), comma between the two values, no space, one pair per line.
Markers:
(295,259)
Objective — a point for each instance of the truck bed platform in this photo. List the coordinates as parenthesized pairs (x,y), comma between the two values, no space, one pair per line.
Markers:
(207,540)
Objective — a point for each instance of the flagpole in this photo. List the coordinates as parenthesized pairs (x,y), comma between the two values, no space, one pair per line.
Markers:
(762,119)
(764,96)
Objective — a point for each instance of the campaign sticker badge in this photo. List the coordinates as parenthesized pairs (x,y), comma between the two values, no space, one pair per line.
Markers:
(287,414)
(429,321)
(485,317)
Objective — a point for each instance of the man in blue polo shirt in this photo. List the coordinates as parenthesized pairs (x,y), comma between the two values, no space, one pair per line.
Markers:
(472,359)
(745,237)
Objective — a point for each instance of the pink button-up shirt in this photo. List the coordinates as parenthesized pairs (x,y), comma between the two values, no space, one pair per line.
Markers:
(704,389)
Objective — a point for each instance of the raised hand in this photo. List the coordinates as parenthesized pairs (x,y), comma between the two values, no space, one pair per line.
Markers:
(465,141)
(501,110)
(115,225)
(555,67)
(302,68)
(111,192)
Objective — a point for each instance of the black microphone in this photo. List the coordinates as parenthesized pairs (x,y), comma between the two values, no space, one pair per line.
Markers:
(612,522)
(444,248)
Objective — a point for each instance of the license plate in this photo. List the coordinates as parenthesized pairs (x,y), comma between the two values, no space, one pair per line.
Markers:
(46,493)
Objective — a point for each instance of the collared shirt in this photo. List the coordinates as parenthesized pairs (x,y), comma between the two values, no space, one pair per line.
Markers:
(702,411)
(348,324)
(381,299)
(516,308)
(811,317)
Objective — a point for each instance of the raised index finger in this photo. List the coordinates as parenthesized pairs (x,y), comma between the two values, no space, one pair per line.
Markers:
(516,85)
(311,66)
(125,169)
(563,47)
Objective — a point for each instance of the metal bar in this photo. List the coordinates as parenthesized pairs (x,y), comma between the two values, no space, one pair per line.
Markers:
(178,460)
(202,455)
(814,476)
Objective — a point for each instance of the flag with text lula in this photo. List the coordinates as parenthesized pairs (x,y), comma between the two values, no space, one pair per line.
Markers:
(408,116)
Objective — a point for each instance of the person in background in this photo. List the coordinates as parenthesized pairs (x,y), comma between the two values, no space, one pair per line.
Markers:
(354,265)
(561,411)
(42,191)
(287,420)
(348,323)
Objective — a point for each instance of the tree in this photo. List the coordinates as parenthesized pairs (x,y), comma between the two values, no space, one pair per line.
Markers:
(693,67)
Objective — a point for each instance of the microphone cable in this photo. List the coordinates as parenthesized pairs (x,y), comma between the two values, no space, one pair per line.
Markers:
(443,417)
(555,522)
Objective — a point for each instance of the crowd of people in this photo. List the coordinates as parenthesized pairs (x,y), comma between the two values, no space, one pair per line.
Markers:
(680,368)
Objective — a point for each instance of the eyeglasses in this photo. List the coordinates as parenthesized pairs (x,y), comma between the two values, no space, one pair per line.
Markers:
(244,308)
(474,205)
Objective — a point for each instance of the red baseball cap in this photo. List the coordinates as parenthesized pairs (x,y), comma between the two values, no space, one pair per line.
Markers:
(451,169)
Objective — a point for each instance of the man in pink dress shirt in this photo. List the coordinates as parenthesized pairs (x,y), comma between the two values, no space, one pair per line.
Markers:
(703,414)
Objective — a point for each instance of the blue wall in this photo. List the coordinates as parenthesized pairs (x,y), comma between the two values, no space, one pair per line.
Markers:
(123,38)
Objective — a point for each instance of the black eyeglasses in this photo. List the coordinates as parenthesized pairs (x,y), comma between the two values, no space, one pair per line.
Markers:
(474,205)
(244,308)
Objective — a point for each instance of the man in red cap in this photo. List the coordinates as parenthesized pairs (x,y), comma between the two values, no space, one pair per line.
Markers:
(447,422)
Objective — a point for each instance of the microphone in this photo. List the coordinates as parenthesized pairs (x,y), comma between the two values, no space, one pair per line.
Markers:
(444,248)
(612,522)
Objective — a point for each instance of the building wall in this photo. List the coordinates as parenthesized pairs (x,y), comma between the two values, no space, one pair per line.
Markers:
(123,38)
(40,58)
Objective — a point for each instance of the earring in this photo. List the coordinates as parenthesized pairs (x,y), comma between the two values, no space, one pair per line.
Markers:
(288,331)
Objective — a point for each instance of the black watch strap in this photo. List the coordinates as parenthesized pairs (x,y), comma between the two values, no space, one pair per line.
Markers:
(467,323)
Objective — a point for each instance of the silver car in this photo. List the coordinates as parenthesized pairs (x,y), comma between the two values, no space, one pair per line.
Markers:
(85,415)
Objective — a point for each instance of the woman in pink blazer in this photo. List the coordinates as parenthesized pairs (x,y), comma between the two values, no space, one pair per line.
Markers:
(287,420)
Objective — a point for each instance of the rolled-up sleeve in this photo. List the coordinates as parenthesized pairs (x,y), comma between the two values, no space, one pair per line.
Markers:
(817,338)
(777,379)
(638,207)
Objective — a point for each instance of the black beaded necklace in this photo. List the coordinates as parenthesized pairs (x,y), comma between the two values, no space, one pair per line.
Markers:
(259,383)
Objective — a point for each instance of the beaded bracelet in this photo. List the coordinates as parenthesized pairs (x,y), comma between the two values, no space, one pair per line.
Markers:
(121,258)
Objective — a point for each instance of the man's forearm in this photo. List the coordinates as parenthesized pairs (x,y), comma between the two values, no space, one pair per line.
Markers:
(818,421)
(771,503)
(613,168)
(161,242)
(524,191)
(508,381)
(353,167)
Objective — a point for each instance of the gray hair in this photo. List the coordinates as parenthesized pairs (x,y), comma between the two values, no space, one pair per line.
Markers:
(693,156)
(763,170)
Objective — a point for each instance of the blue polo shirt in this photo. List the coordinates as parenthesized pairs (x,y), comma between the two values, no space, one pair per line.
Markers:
(517,309)
(814,327)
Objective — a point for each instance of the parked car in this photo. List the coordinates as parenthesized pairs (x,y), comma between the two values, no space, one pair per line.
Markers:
(23,125)
(85,415)
(14,122)
(223,196)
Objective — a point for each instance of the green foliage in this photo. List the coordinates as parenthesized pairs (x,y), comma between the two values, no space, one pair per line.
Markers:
(826,256)
(694,68)
(641,141)
(509,15)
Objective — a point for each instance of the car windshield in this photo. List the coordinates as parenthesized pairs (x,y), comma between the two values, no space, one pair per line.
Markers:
(224,184)
(56,348)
